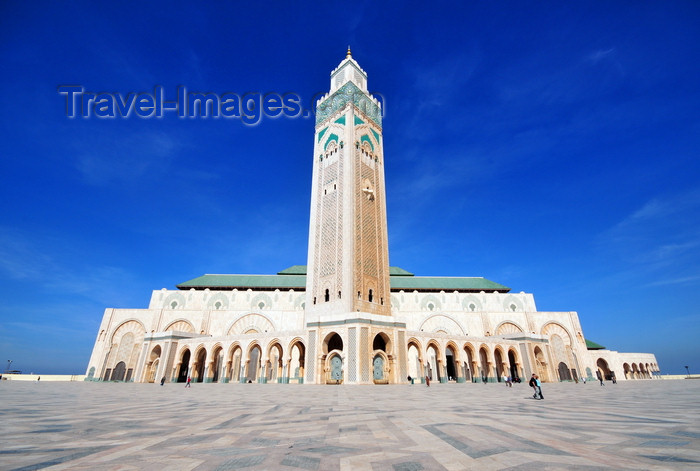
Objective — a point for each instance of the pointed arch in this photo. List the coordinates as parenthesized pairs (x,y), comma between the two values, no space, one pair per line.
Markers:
(275,361)
(415,358)
(552,328)
(508,327)
(442,323)
(250,323)
(180,325)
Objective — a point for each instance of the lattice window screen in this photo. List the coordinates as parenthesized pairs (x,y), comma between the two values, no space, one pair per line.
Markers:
(401,356)
(352,355)
(329,224)
(339,235)
(364,357)
(310,362)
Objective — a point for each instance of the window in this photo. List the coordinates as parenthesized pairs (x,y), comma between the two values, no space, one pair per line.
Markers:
(369,296)
(327,296)
(338,294)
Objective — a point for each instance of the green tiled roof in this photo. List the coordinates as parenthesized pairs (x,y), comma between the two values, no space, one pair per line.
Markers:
(295,278)
(444,283)
(270,282)
(396,271)
(593,346)
(294,270)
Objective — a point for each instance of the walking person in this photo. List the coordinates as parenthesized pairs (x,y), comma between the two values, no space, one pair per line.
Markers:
(162,381)
(189,382)
(539,386)
(600,377)
(533,384)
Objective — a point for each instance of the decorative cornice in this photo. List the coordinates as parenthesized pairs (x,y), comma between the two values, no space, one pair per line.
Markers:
(348,93)
(357,320)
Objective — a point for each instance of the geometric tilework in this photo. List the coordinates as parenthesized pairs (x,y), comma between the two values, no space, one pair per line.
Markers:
(352,354)
(364,359)
(216,426)
(403,373)
(311,358)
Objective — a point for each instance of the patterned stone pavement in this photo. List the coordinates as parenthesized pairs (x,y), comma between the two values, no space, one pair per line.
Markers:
(110,426)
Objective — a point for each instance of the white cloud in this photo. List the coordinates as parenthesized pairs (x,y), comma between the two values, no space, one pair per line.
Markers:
(54,265)
(686,280)
(662,236)
(601,54)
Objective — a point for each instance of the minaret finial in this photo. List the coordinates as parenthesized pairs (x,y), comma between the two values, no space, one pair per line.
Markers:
(349,54)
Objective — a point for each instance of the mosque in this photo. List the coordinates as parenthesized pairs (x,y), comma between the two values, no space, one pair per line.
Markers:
(347,316)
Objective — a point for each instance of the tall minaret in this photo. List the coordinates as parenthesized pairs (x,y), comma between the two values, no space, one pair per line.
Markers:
(348,265)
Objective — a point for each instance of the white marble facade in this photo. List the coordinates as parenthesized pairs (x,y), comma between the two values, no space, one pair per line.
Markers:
(348,320)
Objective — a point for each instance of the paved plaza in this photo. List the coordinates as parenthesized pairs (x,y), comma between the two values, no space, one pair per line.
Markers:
(117,426)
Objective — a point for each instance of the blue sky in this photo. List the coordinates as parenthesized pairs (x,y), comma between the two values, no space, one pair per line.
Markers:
(548,146)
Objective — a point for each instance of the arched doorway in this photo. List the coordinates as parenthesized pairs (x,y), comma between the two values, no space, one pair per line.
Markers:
(560,351)
(642,370)
(432,364)
(152,366)
(564,373)
(198,367)
(379,342)
(295,370)
(514,374)
(274,363)
(414,366)
(381,351)
(470,366)
(499,365)
(235,368)
(626,368)
(336,369)
(378,369)
(216,364)
(119,371)
(541,365)
(332,361)
(450,364)
(126,342)
(184,367)
(484,365)
(603,368)
(254,359)
(334,342)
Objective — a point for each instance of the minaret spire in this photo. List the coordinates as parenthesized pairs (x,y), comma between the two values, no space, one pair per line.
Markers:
(349,54)
(348,258)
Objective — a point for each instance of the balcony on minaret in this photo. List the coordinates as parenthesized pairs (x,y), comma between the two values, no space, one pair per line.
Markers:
(348,71)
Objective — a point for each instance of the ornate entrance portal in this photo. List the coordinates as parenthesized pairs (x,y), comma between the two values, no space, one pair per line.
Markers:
(378,366)
(337,369)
